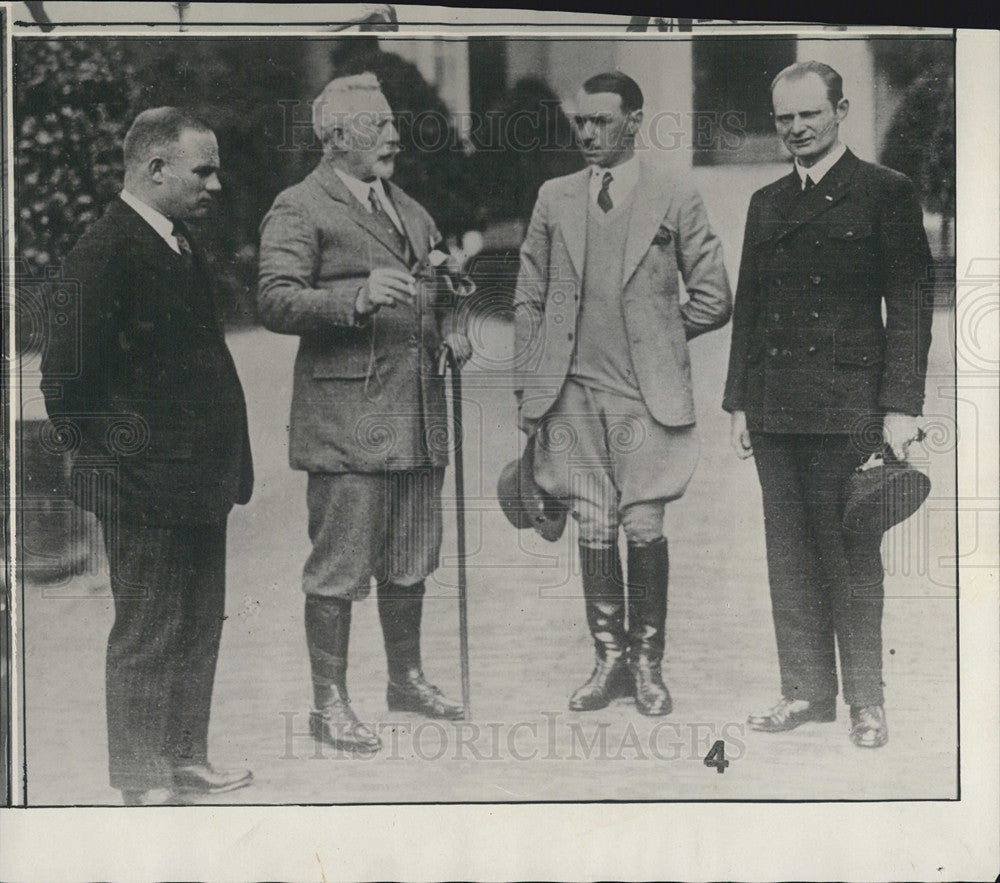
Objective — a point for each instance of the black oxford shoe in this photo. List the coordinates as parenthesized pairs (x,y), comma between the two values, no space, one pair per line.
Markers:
(152,797)
(868,726)
(203,778)
(412,692)
(790,713)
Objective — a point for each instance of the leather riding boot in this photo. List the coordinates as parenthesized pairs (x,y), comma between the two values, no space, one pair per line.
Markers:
(333,721)
(604,597)
(648,572)
(400,609)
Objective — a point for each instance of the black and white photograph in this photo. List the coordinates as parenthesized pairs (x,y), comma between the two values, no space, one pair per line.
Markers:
(409,417)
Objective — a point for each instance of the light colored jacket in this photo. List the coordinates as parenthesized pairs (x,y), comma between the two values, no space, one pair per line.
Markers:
(668,232)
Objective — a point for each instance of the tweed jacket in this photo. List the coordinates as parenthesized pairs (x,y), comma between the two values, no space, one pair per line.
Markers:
(668,233)
(810,351)
(139,384)
(366,394)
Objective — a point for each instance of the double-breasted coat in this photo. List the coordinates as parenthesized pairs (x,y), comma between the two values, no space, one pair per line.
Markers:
(810,350)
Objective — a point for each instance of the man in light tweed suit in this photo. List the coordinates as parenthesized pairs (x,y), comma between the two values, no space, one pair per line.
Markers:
(603,374)
(339,260)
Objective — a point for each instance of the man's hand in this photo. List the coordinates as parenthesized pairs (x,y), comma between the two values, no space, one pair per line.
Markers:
(899,432)
(739,436)
(386,287)
(459,345)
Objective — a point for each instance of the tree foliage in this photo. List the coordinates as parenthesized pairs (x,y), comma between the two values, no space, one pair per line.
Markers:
(921,140)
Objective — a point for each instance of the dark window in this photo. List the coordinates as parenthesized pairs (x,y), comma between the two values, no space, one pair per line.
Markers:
(732,98)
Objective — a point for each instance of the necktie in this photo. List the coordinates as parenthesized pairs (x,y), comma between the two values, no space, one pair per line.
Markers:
(808,185)
(183,243)
(379,211)
(604,197)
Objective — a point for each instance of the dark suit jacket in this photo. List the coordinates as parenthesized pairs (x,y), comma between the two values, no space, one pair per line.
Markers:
(139,384)
(810,351)
(366,394)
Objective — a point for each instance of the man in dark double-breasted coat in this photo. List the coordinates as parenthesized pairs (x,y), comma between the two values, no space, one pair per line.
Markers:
(340,257)
(817,382)
(142,388)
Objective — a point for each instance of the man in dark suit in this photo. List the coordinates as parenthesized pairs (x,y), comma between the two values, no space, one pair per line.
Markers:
(340,253)
(817,382)
(604,374)
(145,386)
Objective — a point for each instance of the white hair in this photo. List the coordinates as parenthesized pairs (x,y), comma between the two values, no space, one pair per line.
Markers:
(335,101)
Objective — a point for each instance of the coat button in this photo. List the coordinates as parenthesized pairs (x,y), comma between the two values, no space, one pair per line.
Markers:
(786,353)
(818,243)
(812,349)
(773,351)
(815,279)
(777,317)
(849,234)
(569,336)
(814,314)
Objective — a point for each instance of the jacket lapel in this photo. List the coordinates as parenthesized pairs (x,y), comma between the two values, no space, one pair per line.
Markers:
(337,190)
(648,209)
(166,272)
(150,246)
(834,187)
(413,228)
(571,216)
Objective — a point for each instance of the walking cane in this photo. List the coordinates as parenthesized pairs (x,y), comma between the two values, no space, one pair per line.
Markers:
(447,360)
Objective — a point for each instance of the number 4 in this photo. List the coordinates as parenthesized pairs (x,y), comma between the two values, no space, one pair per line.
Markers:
(717,756)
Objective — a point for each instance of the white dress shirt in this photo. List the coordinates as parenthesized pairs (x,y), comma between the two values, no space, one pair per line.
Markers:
(361,189)
(817,171)
(159,222)
(624,177)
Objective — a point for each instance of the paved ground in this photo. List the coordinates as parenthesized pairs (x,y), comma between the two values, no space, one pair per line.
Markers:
(529,643)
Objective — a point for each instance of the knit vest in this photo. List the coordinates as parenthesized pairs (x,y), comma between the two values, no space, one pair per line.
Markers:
(602,358)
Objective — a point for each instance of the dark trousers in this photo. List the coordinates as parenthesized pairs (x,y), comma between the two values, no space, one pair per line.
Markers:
(825,584)
(168,585)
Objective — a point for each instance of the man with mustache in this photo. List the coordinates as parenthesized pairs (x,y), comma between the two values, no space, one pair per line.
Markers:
(817,380)
(604,376)
(339,260)
(147,386)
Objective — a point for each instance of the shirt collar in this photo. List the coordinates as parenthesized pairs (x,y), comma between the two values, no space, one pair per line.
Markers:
(360,188)
(819,170)
(157,220)
(623,177)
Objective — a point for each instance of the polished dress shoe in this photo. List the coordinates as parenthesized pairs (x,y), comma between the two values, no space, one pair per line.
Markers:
(609,680)
(410,691)
(203,778)
(335,723)
(790,713)
(868,726)
(152,797)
